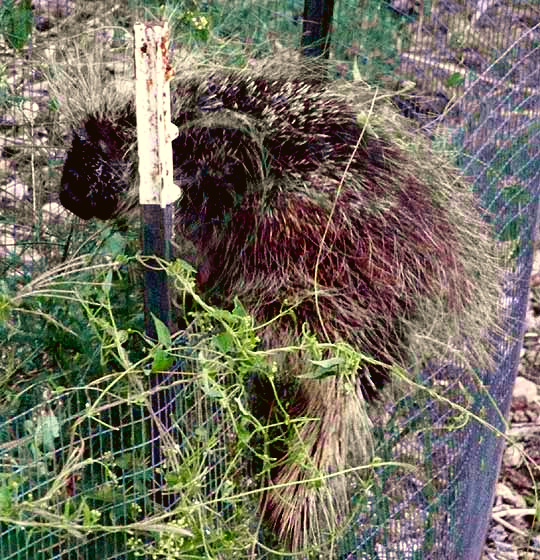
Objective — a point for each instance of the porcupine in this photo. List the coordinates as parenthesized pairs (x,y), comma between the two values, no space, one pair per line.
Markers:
(299,193)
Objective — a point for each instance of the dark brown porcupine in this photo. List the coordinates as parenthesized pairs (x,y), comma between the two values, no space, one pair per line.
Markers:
(321,198)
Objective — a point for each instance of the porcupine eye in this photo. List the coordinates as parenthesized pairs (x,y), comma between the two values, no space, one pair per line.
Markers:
(90,182)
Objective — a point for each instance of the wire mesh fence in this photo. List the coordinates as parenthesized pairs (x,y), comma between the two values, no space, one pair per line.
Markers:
(76,417)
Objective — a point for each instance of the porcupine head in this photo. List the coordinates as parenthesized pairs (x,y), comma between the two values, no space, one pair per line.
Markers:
(292,203)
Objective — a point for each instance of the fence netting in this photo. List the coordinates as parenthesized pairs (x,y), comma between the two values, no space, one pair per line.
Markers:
(76,473)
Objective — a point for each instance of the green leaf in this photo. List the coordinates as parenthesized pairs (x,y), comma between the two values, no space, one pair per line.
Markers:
(6,500)
(455,79)
(212,392)
(16,21)
(224,342)
(5,308)
(115,245)
(162,361)
(53,104)
(162,331)
(90,516)
(239,310)
(324,368)
(243,434)
(47,429)
(330,363)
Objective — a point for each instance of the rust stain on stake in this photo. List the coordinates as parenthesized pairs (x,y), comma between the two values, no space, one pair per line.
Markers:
(169,72)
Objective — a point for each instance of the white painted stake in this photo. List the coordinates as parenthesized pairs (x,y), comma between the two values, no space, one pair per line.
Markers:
(155,131)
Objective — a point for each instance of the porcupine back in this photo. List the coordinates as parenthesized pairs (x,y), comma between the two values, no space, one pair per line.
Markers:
(293,197)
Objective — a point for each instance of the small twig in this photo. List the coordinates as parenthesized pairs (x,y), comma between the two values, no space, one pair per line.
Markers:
(515,512)
(498,519)
(523,430)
